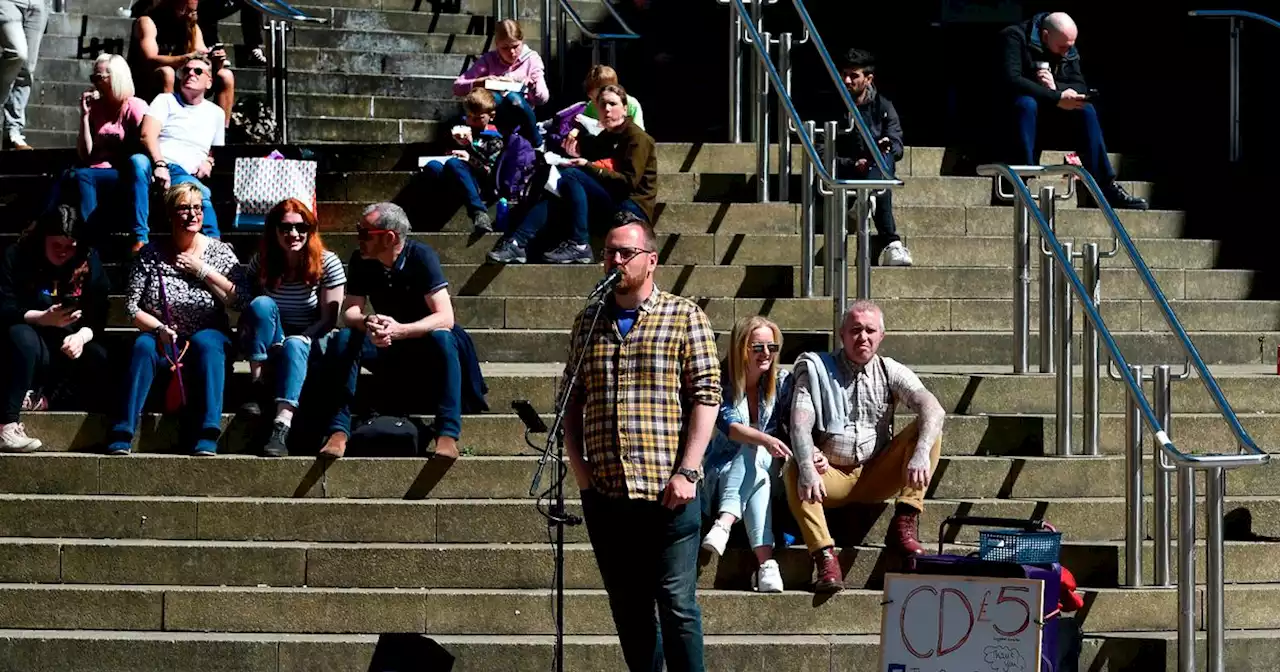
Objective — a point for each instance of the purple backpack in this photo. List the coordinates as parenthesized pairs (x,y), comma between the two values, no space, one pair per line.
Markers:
(564,121)
(516,168)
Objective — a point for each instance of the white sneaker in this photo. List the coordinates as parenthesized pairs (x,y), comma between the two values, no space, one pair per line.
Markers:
(896,254)
(14,439)
(716,538)
(767,579)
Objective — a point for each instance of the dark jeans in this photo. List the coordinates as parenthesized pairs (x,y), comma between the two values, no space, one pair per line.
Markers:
(407,366)
(458,175)
(204,375)
(1081,129)
(514,110)
(581,197)
(647,555)
(210,12)
(35,359)
(132,183)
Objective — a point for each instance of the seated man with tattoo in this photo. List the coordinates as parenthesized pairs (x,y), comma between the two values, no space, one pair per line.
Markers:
(843,407)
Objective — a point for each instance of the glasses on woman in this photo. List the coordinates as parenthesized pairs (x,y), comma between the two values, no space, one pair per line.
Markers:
(759,348)
(289,227)
(100,76)
(188,209)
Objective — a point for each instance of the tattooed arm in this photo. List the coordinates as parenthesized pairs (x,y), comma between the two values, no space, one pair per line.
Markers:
(929,418)
(808,482)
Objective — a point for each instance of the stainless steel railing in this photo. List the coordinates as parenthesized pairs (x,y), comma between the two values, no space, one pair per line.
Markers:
(280,17)
(1139,413)
(556,15)
(1235,24)
(818,168)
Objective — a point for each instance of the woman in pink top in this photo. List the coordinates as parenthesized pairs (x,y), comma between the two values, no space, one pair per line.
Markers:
(510,63)
(113,163)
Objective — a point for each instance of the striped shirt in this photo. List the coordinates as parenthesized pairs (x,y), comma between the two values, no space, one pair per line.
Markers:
(870,391)
(299,302)
(637,391)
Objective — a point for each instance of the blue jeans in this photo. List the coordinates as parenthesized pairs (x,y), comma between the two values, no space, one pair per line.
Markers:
(398,370)
(179,176)
(133,182)
(1085,134)
(739,482)
(514,110)
(462,180)
(204,375)
(261,330)
(582,196)
(647,555)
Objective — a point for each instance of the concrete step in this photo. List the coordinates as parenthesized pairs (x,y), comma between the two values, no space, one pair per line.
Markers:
(510,566)
(959,475)
(520,612)
(107,8)
(511,520)
(369,22)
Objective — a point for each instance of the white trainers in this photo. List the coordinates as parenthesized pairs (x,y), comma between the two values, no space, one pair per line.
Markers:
(896,254)
(14,439)
(716,538)
(767,579)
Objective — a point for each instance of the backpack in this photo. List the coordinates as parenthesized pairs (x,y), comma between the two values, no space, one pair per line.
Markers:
(516,168)
(564,121)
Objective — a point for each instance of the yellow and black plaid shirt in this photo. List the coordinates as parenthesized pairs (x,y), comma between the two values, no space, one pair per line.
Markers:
(638,391)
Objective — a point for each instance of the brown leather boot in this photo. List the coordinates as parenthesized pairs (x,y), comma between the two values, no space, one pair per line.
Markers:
(829,577)
(335,447)
(903,535)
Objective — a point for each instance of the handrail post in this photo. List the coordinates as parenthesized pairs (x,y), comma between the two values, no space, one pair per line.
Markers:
(1134,532)
(1234,85)
(735,75)
(757,69)
(1021,285)
(1048,208)
(1062,343)
(547,14)
(1162,512)
(273,62)
(283,122)
(1215,490)
(834,237)
(862,208)
(1186,569)
(1089,353)
(806,220)
(761,131)
(562,45)
(784,122)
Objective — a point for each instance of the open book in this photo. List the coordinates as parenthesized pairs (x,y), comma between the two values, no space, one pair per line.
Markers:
(504,86)
(591,125)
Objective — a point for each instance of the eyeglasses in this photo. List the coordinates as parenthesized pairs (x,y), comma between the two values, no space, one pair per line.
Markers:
(625,254)
(100,76)
(758,348)
(301,227)
(193,71)
(189,209)
(368,234)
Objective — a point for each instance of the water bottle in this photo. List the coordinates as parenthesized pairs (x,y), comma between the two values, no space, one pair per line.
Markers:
(502,215)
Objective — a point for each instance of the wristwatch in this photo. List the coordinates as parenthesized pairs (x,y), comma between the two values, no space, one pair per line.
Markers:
(694,475)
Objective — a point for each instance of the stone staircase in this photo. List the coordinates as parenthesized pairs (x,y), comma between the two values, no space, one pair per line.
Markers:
(160,562)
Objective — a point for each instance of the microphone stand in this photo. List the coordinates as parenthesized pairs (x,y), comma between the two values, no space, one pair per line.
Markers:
(555,514)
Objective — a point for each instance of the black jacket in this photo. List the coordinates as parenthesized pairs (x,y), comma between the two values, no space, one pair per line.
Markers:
(28,282)
(882,120)
(1022,48)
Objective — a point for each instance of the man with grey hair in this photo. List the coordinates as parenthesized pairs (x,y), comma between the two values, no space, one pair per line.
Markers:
(1043,77)
(409,341)
(843,407)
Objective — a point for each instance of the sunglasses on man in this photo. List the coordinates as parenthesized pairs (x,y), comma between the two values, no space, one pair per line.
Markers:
(368,234)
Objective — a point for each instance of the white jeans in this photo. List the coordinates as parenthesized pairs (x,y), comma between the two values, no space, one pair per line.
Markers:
(22,24)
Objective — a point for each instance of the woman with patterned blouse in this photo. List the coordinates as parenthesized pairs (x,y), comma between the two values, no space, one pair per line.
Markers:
(179,292)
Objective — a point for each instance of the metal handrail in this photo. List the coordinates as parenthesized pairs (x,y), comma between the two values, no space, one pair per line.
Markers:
(582,26)
(284,10)
(563,9)
(1233,96)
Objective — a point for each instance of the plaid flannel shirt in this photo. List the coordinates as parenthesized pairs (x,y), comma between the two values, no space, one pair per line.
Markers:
(637,392)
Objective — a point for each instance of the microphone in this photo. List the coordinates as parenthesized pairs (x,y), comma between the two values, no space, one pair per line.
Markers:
(606,284)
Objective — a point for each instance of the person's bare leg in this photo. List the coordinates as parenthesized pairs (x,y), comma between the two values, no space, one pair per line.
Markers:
(763,554)
(226,95)
(166,78)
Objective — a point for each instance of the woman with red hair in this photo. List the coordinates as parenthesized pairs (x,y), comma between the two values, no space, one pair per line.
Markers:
(298,286)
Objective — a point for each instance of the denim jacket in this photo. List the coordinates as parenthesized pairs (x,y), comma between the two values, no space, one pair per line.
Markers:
(721,448)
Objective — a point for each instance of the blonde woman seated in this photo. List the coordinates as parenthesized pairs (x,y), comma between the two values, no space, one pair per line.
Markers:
(739,460)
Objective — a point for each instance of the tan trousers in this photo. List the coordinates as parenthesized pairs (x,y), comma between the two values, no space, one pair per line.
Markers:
(881,478)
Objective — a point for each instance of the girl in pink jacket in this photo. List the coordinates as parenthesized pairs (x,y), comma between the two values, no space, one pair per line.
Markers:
(517,77)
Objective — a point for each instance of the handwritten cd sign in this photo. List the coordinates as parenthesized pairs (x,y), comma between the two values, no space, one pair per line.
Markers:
(960,624)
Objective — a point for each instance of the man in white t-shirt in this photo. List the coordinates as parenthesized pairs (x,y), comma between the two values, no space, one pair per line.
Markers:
(179,130)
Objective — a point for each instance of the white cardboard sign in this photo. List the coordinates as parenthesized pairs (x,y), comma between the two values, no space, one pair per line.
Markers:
(960,624)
